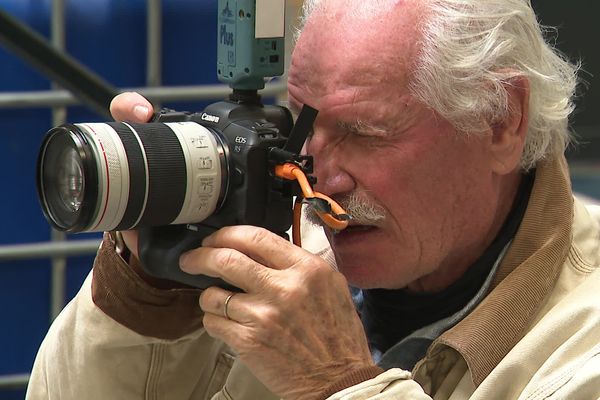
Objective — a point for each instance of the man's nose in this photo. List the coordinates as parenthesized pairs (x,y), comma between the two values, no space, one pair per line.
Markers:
(331,167)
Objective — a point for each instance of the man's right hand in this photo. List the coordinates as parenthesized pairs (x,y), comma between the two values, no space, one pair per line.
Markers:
(131,107)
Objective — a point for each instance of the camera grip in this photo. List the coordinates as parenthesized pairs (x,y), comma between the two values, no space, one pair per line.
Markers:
(160,248)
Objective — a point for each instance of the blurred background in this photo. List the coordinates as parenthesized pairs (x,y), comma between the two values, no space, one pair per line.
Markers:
(166,50)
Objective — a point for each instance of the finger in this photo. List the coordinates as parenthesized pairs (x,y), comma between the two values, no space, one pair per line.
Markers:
(213,300)
(241,336)
(131,241)
(131,107)
(259,244)
(228,264)
(227,330)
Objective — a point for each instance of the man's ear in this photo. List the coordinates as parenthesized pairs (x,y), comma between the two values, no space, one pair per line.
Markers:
(509,133)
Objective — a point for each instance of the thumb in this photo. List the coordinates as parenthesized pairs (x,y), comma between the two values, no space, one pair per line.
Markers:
(131,107)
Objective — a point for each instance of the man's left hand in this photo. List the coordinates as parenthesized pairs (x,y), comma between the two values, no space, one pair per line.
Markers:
(295,327)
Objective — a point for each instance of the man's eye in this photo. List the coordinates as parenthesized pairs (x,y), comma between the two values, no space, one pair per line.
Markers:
(365,135)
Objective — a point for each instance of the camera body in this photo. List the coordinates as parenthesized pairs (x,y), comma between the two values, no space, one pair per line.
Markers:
(248,131)
(251,133)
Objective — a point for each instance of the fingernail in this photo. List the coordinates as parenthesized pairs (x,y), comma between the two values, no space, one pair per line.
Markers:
(141,112)
(183,260)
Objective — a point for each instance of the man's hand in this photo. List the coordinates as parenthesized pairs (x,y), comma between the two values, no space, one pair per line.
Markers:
(131,107)
(296,327)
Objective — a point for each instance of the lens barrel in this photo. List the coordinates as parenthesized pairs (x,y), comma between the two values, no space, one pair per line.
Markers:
(117,176)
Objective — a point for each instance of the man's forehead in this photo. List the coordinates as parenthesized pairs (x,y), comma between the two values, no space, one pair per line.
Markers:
(379,14)
(341,56)
(370,23)
(354,8)
(363,35)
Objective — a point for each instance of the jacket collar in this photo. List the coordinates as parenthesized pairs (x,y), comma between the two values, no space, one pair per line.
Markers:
(524,278)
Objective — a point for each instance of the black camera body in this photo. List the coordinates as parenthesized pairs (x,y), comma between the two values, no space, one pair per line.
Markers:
(249,131)
(251,135)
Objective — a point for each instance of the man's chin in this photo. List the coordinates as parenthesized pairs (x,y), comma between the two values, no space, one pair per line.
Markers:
(364,278)
(362,271)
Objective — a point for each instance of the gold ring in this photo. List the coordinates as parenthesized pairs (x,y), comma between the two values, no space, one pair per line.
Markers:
(225,313)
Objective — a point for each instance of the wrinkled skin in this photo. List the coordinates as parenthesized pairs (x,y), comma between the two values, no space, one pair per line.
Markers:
(444,197)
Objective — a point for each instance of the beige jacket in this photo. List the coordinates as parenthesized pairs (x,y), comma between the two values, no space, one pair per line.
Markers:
(536,335)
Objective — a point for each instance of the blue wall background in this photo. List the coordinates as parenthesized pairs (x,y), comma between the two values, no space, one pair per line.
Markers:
(108,36)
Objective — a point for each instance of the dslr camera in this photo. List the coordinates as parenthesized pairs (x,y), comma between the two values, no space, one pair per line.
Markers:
(184,175)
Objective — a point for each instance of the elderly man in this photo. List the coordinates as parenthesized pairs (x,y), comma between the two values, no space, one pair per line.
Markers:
(442,126)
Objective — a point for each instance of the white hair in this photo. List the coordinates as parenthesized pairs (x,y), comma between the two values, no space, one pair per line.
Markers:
(471,50)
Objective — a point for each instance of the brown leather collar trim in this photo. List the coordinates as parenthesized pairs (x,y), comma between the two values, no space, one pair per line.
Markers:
(524,278)
(125,297)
